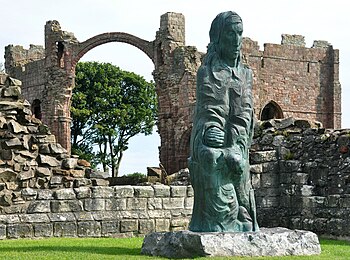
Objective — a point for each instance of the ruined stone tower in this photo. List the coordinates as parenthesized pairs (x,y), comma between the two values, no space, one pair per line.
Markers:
(289,80)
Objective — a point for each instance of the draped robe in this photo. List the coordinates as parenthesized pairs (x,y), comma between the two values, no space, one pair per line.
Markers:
(224,199)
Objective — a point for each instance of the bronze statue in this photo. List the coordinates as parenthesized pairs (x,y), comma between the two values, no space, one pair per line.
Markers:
(222,133)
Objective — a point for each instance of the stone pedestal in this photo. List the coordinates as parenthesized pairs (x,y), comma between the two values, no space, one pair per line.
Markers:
(267,242)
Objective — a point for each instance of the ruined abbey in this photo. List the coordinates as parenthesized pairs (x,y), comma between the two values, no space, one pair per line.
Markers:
(290,80)
(300,166)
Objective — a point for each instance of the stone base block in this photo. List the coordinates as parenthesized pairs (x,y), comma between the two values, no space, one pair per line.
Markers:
(266,242)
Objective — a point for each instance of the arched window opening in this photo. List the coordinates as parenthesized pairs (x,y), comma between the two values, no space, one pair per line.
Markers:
(60,49)
(36,108)
(184,149)
(271,111)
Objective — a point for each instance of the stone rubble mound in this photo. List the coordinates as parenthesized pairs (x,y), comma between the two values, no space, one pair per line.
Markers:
(30,158)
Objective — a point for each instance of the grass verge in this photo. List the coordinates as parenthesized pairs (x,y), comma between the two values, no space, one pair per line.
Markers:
(125,248)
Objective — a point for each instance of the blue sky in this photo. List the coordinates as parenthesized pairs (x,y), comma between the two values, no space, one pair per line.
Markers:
(264,21)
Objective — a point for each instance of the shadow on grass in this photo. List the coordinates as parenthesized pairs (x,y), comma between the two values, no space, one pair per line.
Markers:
(335,242)
(75,249)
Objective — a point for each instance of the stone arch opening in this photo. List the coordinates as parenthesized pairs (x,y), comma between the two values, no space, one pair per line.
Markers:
(36,109)
(184,149)
(110,51)
(271,111)
(84,47)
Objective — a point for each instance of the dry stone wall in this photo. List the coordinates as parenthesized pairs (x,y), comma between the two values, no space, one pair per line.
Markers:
(301,174)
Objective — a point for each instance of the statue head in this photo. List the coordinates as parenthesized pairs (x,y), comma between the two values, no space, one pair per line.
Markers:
(226,37)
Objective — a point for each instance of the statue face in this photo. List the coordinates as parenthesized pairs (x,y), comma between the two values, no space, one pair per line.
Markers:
(231,39)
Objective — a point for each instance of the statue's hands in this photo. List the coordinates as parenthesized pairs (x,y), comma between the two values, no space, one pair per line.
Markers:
(214,137)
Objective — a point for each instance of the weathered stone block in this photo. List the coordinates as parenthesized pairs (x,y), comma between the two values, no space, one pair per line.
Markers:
(78,182)
(144,191)
(128,225)
(89,229)
(345,202)
(190,192)
(56,180)
(64,194)
(155,203)
(116,204)
(269,202)
(19,231)
(178,191)
(65,229)
(106,215)
(83,192)
(12,91)
(179,222)
(9,219)
(270,167)
(45,194)
(134,214)
(333,201)
(290,166)
(102,192)
(136,203)
(43,172)
(146,226)
(173,203)
(100,182)
(162,225)
(77,173)
(83,216)
(263,156)
(269,180)
(25,175)
(108,228)
(6,155)
(29,192)
(161,190)
(69,163)
(267,242)
(39,206)
(180,213)
(94,204)
(66,206)
(2,231)
(43,229)
(13,143)
(189,202)
(159,213)
(56,148)
(256,168)
(123,191)
(48,160)
(307,190)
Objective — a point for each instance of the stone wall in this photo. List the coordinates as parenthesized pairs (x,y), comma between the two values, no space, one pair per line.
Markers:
(301,174)
(300,171)
(118,211)
(46,192)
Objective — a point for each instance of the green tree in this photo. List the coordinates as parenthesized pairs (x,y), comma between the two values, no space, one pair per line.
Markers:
(109,106)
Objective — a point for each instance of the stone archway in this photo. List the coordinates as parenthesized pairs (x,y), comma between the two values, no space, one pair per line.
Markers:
(62,53)
(271,111)
(84,47)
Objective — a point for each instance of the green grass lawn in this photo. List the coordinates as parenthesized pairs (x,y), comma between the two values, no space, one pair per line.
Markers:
(124,248)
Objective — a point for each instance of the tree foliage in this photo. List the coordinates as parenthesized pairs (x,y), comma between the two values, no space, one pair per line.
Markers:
(109,106)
